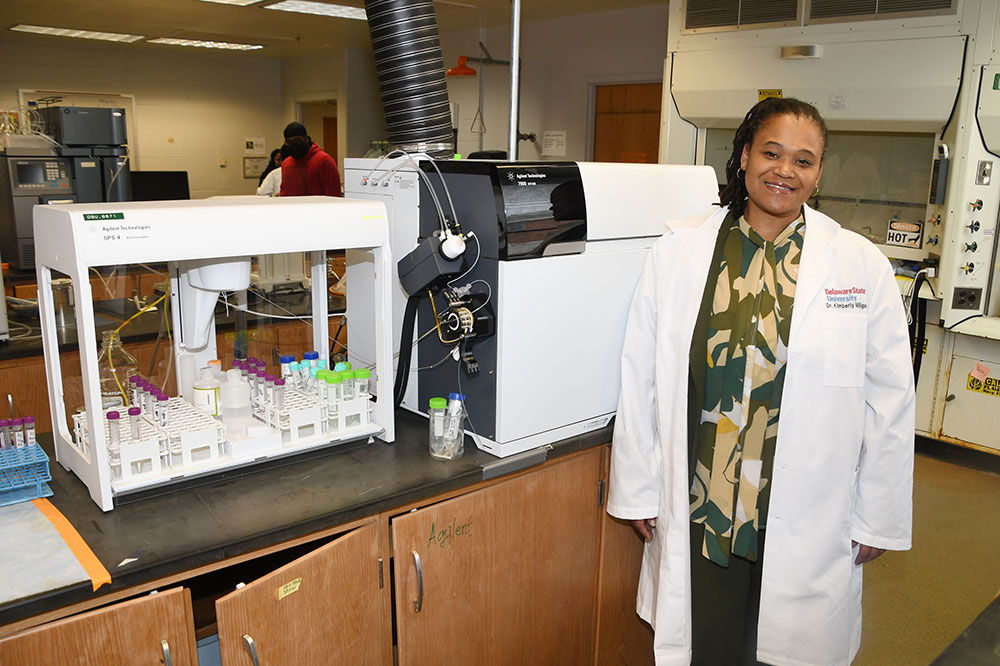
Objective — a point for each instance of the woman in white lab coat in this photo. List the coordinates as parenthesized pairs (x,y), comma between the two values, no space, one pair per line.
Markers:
(766,377)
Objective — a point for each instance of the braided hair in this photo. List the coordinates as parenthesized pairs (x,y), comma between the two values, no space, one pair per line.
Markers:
(734,194)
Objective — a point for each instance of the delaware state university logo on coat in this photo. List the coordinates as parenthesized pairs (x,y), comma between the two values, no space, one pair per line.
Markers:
(849,298)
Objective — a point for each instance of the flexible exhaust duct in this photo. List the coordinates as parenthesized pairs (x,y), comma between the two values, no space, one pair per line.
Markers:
(411,74)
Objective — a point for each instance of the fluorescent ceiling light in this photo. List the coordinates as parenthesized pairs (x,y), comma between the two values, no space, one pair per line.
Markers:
(71,32)
(205,45)
(320,9)
(241,3)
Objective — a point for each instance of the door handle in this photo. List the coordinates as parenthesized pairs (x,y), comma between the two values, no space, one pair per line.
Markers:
(419,601)
(251,648)
(166,652)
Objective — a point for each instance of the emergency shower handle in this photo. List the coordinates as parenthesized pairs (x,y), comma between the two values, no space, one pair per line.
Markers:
(251,648)
(418,603)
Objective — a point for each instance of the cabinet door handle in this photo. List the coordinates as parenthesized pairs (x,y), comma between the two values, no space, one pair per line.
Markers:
(419,602)
(251,648)
(165,646)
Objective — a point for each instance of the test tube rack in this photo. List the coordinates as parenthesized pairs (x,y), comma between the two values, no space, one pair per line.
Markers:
(305,415)
(24,474)
(73,238)
(192,441)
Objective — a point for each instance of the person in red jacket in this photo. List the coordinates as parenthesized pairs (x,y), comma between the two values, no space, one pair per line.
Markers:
(308,170)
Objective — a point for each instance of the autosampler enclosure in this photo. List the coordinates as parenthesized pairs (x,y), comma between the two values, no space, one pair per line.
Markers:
(206,246)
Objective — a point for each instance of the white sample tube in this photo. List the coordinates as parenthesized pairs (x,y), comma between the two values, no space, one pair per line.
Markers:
(134,423)
(279,394)
(29,431)
(347,386)
(114,439)
(162,401)
(455,415)
(17,433)
(269,389)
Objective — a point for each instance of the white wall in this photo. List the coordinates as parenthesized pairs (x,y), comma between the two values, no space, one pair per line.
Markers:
(365,120)
(191,108)
(345,76)
(561,59)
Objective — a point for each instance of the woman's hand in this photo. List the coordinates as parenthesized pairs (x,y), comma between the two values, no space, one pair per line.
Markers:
(645,527)
(865,553)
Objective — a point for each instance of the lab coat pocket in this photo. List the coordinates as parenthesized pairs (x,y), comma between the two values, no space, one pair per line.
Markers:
(844,341)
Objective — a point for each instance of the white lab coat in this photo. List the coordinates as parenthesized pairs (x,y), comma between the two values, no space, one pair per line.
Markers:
(843,466)
(271,184)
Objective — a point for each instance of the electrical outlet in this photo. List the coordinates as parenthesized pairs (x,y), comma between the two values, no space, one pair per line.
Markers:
(967,298)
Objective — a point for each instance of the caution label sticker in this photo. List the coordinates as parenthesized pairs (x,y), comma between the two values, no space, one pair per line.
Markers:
(764,93)
(904,234)
(989,386)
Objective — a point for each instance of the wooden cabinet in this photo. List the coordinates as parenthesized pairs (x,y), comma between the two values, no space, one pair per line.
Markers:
(527,569)
(328,607)
(141,631)
(622,637)
(502,575)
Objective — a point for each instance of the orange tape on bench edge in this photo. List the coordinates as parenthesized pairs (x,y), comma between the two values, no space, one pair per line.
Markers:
(98,574)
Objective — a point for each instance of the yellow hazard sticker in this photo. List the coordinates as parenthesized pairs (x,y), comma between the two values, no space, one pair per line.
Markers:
(991,386)
(764,93)
(289,588)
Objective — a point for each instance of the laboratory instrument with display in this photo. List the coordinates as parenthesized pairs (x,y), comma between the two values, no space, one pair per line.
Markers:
(515,279)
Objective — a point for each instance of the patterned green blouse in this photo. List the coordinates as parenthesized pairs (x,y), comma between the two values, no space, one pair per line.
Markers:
(747,348)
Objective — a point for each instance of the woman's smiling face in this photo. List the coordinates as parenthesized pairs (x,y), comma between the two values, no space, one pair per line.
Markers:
(783,166)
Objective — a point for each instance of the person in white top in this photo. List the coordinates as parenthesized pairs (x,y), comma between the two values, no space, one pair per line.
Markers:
(271,184)
(270,180)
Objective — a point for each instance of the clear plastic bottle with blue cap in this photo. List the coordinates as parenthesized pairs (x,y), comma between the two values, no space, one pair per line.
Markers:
(312,357)
(454,434)
(286,361)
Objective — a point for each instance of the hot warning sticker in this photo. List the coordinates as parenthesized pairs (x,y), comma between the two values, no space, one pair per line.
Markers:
(989,386)
(904,234)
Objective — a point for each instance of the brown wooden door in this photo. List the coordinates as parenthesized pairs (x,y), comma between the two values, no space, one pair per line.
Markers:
(330,136)
(125,634)
(509,572)
(627,122)
(324,608)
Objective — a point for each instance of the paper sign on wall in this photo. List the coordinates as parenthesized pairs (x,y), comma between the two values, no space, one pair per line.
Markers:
(554,143)
(254,145)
